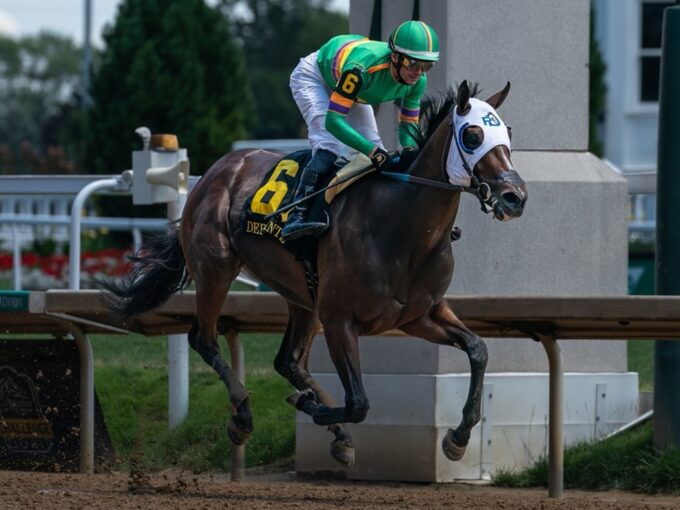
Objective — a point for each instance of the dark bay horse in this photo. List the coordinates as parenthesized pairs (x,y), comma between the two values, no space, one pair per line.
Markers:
(385,263)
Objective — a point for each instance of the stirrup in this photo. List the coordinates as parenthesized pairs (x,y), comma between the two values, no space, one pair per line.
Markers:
(293,231)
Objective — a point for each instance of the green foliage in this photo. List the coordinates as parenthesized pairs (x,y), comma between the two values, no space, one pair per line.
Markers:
(40,119)
(44,247)
(641,360)
(171,65)
(597,92)
(274,35)
(642,247)
(627,461)
(96,239)
(131,377)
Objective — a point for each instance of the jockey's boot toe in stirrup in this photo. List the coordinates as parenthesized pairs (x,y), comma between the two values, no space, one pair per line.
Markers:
(296,227)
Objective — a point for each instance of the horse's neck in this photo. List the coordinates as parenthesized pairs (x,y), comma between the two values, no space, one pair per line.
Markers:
(438,205)
(430,164)
(427,211)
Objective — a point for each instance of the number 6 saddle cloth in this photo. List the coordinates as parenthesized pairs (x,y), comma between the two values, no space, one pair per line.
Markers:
(278,189)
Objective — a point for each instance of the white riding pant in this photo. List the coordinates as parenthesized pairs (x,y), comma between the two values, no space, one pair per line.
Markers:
(312,96)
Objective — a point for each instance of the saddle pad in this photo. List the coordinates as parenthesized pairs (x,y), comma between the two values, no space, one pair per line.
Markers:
(278,189)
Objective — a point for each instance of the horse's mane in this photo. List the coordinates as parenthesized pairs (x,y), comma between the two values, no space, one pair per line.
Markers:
(433,111)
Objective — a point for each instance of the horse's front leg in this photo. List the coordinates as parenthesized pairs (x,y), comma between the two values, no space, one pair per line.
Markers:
(343,345)
(291,363)
(441,326)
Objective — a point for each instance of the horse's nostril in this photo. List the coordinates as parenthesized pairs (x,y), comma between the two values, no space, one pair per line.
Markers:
(511,199)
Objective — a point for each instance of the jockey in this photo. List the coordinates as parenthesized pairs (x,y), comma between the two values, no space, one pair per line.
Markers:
(334,88)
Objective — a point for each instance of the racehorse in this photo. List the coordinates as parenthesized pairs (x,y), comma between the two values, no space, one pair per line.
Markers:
(384,264)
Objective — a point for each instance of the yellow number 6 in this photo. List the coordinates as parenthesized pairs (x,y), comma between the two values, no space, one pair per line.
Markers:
(268,198)
(350,83)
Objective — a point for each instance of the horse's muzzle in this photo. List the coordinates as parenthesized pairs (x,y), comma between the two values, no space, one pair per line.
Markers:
(511,196)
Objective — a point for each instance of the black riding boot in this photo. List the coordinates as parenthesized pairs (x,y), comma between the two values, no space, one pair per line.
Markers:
(297,225)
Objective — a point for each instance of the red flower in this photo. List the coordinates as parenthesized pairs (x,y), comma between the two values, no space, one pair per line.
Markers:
(5,262)
(29,259)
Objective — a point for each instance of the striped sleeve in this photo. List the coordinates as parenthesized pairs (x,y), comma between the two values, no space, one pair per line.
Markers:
(341,100)
(409,114)
(340,104)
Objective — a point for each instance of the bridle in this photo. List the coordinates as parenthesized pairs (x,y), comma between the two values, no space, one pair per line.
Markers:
(478,187)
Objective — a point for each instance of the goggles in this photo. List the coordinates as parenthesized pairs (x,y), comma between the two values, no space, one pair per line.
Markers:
(412,63)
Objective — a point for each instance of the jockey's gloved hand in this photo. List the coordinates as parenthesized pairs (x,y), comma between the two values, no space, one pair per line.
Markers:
(380,158)
(407,156)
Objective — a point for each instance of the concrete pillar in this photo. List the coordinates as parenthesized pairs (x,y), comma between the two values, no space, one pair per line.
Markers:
(572,239)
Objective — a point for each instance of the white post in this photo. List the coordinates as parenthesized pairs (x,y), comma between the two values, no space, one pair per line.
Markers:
(136,239)
(86,400)
(178,379)
(78,203)
(16,257)
(238,365)
(83,343)
(178,350)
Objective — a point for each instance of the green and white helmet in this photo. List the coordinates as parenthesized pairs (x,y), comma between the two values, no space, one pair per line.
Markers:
(417,40)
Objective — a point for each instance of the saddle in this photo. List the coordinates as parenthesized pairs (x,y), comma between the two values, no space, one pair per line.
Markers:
(278,189)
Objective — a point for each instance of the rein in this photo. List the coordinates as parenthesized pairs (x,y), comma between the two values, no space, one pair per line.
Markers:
(481,190)
(422,180)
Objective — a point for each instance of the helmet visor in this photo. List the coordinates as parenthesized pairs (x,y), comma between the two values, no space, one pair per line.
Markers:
(413,64)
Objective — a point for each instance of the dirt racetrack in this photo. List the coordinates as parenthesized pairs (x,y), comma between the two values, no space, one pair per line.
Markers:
(168,490)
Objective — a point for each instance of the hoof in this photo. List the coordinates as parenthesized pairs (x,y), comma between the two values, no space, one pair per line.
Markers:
(236,435)
(299,398)
(452,450)
(343,452)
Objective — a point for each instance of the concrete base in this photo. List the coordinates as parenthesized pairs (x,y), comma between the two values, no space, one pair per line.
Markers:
(571,240)
(401,437)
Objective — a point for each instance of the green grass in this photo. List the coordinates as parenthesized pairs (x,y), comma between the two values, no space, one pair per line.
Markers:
(131,382)
(627,461)
(641,360)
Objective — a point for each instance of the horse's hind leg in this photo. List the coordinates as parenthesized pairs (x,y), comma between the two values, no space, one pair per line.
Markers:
(203,338)
(291,363)
(441,326)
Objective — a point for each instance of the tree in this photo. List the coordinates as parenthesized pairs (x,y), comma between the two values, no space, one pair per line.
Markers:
(597,92)
(173,66)
(274,35)
(39,78)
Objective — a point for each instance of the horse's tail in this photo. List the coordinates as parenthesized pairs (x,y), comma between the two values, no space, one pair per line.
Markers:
(159,271)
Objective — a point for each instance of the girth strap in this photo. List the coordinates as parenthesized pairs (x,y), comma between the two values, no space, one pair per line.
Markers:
(312,279)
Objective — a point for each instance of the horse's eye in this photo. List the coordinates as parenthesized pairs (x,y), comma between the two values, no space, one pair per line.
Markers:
(473,137)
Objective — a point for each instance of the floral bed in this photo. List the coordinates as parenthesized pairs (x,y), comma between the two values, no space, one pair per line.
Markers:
(39,272)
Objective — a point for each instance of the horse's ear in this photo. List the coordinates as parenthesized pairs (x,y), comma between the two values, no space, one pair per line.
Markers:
(497,99)
(463,98)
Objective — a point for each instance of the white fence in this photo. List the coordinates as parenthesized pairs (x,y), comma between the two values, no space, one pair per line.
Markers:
(29,206)
(38,207)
